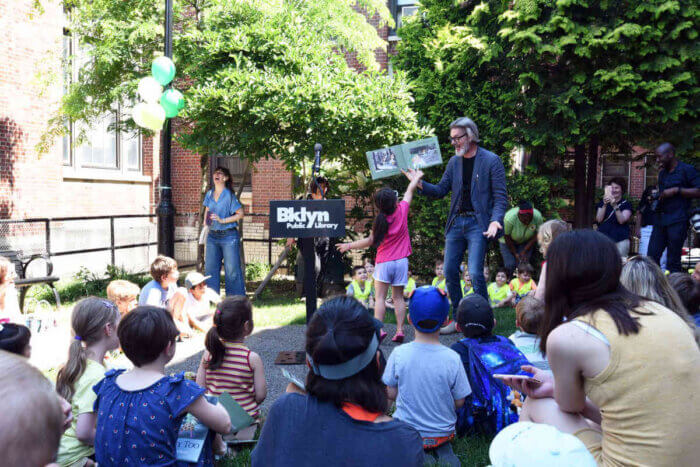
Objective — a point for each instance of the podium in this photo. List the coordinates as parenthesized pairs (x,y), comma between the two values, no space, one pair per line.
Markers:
(307,220)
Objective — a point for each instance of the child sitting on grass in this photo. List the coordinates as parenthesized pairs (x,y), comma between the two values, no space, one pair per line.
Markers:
(439,279)
(124,294)
(32,416)
(523,284)
(466,284)
(360,287)
(94,325)
(427,379)
(410,286)
(139,412)
(14,338)
(228,365)
(689,292)
(488,408)
(161,289)
(529,312)
(499,292)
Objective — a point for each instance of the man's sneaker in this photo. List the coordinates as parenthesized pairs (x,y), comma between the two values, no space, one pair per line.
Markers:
(451,328)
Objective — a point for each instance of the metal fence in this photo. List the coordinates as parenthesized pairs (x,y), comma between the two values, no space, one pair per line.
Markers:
(128,241)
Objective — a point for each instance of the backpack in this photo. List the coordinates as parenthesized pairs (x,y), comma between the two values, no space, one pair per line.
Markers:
(487,410)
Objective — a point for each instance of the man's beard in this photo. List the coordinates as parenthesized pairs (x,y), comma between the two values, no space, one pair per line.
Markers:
(461,152)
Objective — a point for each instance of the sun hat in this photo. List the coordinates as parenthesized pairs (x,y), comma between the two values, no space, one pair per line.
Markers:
(194,278)
(526,444)
(428,303)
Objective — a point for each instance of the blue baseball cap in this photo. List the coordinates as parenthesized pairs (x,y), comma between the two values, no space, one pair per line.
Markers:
(428,303)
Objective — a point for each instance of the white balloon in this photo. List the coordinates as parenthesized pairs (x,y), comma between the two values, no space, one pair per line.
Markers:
(150,90)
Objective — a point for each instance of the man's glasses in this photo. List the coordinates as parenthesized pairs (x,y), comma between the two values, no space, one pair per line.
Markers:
(452,140)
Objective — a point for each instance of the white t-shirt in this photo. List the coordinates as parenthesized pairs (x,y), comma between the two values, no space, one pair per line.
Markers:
(199,309)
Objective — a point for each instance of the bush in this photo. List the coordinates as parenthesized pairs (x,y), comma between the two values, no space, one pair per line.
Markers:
(256,271)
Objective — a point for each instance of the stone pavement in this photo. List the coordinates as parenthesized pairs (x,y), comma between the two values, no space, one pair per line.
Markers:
(270,341)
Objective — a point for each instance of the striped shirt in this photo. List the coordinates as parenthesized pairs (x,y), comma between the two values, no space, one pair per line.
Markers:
(235,376)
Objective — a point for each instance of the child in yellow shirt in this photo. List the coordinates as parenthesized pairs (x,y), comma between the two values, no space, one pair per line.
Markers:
(499,292)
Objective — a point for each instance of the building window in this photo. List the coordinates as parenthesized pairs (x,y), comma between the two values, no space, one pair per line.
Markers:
(401,9)
(616,165)
(103,148)
(652,171)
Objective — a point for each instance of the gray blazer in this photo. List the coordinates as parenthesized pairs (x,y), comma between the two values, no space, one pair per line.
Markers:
(488,189)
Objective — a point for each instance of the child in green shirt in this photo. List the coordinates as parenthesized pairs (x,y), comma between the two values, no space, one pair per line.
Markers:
(499,292)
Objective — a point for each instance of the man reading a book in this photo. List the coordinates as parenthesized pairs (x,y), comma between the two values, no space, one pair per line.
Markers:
(476,179)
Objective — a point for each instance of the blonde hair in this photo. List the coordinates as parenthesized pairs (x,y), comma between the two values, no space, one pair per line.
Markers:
(642,276)
(5,268)
(529,312)
(89,318)
(33,407)
(548,232)
(119,290)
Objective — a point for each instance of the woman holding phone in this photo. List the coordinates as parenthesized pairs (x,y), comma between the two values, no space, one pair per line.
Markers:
(613,214)
(620,366)
(222,213)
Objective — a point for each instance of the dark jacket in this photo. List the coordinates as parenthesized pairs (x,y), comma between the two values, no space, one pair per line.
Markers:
(488,188)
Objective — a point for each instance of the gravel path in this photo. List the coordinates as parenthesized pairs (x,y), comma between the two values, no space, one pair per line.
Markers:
(269,342)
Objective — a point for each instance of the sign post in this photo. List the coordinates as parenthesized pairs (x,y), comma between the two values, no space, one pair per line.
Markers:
(307,220)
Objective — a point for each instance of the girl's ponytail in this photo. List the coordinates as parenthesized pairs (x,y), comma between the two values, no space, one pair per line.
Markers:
(90,316)
(385,200)
(228,324)
(72,370)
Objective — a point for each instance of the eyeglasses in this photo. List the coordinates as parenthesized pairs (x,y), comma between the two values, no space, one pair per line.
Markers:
(452,140)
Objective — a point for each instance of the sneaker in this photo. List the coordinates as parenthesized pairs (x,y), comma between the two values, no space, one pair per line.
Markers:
(451,328)
(398,338)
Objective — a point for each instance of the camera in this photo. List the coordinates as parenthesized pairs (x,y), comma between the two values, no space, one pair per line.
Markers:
(654,197)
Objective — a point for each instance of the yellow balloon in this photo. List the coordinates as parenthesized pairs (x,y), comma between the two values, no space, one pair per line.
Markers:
(138,114)
(154,117)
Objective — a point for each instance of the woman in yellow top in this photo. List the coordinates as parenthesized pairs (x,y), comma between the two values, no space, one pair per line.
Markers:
(500,294)
(623,370)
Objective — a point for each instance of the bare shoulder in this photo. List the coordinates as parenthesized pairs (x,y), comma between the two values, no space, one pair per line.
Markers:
(255,360)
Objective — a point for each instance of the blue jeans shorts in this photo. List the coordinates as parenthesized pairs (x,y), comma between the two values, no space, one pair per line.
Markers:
(394,272)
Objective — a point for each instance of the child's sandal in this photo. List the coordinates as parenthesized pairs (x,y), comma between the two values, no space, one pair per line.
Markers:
(398,338)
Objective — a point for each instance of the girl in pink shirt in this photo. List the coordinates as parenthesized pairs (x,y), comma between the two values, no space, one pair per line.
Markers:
(390,237)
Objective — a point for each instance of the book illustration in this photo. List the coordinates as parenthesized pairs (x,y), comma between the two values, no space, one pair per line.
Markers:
(390,161)
(293,379)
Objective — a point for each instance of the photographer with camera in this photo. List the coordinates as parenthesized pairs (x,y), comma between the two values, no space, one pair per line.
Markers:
(648,204)
(613,214)
(678,184)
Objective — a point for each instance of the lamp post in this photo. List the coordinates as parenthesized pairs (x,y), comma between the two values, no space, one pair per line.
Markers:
(166,209)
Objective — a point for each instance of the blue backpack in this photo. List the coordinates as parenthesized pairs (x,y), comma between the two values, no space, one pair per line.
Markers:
(487,409)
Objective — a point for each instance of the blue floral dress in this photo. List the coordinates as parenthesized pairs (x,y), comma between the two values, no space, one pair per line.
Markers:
(141,427)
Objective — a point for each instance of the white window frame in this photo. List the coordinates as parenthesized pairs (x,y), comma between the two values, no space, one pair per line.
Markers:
(73,167)
(397,8)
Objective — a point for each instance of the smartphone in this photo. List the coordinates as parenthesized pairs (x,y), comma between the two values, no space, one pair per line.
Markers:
(527,377)
(608,191)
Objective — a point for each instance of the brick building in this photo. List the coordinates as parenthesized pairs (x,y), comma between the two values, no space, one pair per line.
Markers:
(118,174)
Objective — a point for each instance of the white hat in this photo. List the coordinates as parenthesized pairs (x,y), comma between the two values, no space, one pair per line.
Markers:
(194,278)
(527,444)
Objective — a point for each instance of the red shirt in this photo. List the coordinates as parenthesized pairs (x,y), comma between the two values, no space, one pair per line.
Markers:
(397,242)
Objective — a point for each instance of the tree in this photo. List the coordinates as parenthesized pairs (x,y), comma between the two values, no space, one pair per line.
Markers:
(261,79)
(559,76)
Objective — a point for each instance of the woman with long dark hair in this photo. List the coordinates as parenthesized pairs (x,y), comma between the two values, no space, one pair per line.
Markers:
(341,421)
(223,211)
(622,368)
(391,238)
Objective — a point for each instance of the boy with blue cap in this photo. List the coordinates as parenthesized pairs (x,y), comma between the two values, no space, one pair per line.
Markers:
(426,378)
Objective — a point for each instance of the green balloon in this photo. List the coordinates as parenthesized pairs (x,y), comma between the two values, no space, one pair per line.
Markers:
(172,102)
(163,70)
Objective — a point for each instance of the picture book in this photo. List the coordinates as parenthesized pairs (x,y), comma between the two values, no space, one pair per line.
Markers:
(192,437)
(387,162)
(239,417)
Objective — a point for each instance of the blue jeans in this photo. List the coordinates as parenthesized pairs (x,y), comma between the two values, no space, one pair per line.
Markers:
(224,245)
(509,261)
(465,233)
(669,237)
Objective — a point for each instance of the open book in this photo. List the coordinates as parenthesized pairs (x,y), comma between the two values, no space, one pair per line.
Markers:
(387,162)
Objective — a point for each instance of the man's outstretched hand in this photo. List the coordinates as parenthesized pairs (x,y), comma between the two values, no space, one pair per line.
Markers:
(493,229)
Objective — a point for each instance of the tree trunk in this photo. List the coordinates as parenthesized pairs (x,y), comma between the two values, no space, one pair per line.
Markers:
(204,183)
(591,178)
(580,210)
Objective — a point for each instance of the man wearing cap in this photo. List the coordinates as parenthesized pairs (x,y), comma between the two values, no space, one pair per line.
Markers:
(477,180)
(519,235)
(191,305)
